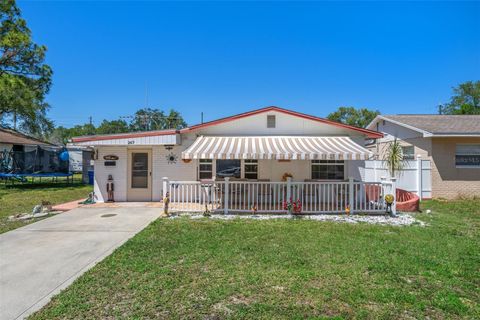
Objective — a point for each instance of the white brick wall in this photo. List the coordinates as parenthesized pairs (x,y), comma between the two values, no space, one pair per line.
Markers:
(174,171)
(119,173)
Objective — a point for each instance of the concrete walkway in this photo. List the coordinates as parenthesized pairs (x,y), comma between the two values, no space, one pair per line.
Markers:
(39,260)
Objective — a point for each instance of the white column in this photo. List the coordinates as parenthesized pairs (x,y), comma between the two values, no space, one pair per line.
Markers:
(394,192)
(350,194)
(164,187)
(419,176)
(227,195)
(289,188)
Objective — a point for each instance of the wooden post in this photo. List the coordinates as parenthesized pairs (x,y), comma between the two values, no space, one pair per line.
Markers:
(289,188)
(227,195)
(419,177)
(350,195)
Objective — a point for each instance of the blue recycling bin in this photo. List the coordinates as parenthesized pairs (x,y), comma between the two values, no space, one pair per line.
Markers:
(90,177)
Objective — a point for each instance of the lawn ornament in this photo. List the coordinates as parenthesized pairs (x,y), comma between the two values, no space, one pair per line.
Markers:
(166,202)
(110,189)
(389,198)
(90,199)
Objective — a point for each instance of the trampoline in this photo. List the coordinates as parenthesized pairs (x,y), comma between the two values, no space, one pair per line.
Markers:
(26,164)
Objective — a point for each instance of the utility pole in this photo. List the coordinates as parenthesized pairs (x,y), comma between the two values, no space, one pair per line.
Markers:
(90,121)
(440,109)
(146,94)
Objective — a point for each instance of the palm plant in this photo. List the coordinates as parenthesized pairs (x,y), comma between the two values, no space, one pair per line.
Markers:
(394,157)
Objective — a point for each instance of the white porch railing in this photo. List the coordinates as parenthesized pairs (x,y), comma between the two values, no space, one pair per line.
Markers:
(269,197)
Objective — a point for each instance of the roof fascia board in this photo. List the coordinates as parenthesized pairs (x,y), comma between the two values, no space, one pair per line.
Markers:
(424,132)
(457,135)
(123,136)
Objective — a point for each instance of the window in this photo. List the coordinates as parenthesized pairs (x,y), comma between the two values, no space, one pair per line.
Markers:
(328,169)
(270,121)
(228,168)
(205,169)
(467,156)
(251,169)
(140,170)
(408,153)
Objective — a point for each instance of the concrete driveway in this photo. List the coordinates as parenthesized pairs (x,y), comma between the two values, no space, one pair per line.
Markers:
(39,260)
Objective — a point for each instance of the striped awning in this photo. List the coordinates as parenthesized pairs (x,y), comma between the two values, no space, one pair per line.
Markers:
(276,147)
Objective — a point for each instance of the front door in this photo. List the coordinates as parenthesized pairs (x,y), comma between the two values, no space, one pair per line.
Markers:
(139,175)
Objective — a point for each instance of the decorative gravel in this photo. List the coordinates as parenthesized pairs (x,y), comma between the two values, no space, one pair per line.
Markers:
(400,220)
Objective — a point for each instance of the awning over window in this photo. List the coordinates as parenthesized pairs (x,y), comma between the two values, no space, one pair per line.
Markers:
(276,147)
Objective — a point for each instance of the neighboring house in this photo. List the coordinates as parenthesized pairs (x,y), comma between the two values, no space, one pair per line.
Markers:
(260,145)
(11,139)
(22,153)
(450,142)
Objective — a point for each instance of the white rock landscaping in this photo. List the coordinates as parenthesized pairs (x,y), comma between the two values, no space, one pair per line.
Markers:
(402,219)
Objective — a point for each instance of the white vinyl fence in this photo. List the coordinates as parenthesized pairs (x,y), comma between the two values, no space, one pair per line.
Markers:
(270,197)
(415,177)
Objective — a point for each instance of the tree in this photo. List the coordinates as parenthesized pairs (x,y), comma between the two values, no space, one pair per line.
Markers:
(24,77)
(354,117)
(174,120)
(394,157)
(465,99)
(154,119)
(114,126)
(62,135)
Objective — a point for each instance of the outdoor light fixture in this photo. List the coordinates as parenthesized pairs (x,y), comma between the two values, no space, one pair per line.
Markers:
(171,158)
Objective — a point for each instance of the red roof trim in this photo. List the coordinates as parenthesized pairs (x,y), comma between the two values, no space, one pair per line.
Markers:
(125,136)
(369,133)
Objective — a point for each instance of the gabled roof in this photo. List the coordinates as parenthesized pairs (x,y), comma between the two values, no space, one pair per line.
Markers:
(368,133)
(9,136)
(435,124)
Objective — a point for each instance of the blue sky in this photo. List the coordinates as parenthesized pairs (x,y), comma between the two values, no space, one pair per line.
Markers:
(229,57)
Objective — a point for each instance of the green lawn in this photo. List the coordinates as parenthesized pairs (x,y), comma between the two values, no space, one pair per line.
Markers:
(287,269)
(22,198)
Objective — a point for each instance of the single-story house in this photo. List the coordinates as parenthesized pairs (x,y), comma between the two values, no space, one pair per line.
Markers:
(450,142)
(12,139)
(21,154)
(261,145)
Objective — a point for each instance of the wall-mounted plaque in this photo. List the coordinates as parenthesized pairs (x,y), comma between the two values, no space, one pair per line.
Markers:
(110,157)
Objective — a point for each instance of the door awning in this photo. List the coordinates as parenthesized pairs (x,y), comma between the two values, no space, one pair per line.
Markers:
(276,147)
